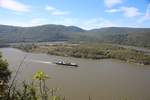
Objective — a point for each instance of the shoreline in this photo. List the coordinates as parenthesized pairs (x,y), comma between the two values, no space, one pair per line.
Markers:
(89,51)
(75,57)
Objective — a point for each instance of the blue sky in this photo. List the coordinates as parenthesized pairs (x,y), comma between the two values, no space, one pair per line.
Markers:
(87,14)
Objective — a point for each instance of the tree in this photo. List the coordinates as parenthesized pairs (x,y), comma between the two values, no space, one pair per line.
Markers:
(4,75)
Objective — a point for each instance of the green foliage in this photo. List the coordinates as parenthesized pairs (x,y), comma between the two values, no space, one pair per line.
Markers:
(27,92)
(48,33)
(94,51)
(39,33)
(4,72)
(4,76)
(33,91)
(40,75)
(26,48)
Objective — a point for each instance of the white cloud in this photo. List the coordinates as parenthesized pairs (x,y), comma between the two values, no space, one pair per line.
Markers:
(97,23)
(26,22)
(38,21)
(50,8)
(146,16)
(112,10)
(111,3)
(127,11)
(55,11)
(83,23)
(68,21)
(130,11)
(60,13)
(14,5)
(86,24)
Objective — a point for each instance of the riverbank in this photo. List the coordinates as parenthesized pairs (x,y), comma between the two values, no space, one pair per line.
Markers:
(89,51)
(106,78)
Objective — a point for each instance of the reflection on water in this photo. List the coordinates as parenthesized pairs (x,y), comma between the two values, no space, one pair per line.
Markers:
(101,79)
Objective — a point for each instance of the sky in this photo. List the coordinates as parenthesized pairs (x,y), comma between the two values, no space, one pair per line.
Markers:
(87,14)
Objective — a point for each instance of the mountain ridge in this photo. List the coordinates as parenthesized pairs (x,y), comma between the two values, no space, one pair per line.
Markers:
(52,32)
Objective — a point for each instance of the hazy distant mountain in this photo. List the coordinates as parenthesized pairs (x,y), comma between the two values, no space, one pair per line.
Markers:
(120,35)
(38,33)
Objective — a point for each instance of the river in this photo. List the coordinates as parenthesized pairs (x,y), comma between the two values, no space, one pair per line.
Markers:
(105,79)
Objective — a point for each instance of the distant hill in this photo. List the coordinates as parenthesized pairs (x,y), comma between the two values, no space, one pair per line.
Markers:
(38,33)
(48,33)
(122,35)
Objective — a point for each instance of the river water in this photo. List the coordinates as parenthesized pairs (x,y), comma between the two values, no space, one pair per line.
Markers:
(106,79)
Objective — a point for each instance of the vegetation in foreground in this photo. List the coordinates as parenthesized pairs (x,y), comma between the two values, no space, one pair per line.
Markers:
(37,90)
(90,50)
(4,76)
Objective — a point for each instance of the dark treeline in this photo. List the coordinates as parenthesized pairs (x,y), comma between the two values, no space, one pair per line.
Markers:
(48,33)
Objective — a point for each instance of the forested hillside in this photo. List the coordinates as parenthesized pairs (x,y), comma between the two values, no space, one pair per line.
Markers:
(49,33)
